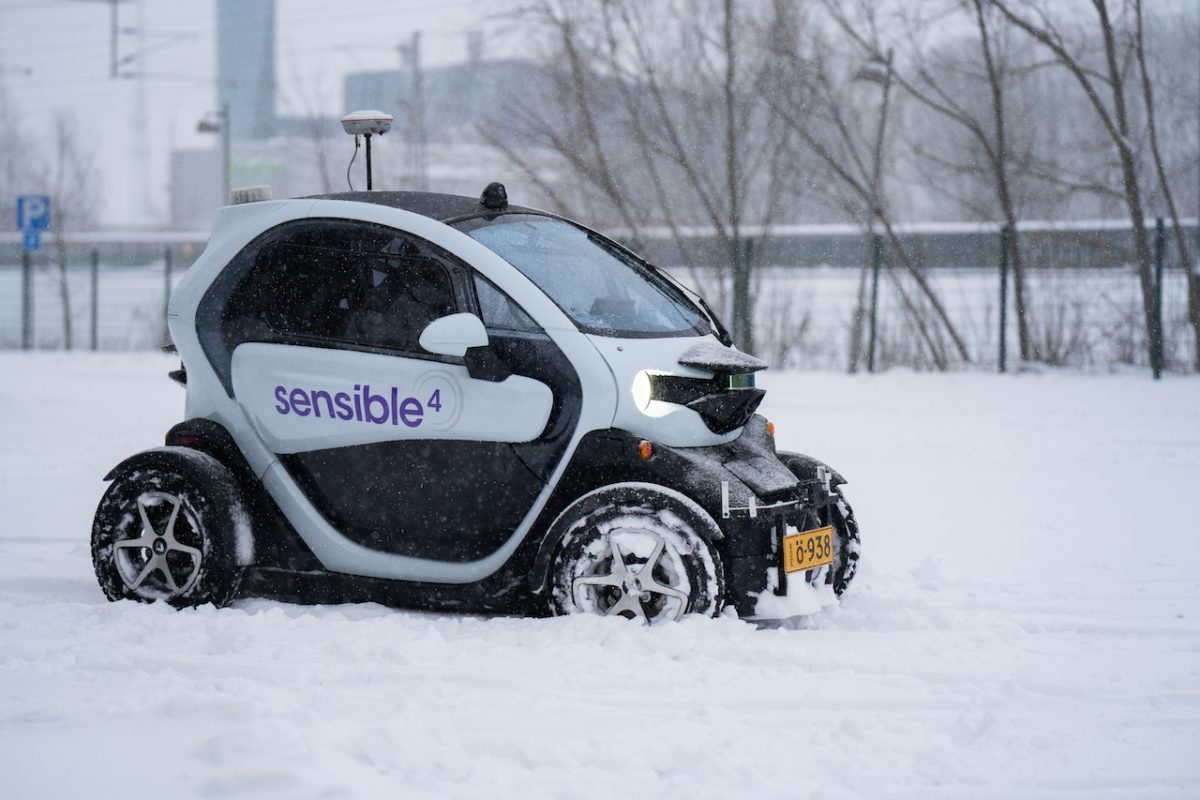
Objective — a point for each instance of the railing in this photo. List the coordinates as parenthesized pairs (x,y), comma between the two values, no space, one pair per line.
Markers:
(1082,292)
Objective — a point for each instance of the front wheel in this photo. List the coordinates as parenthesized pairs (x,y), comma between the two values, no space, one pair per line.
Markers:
(846,551)
(635,550)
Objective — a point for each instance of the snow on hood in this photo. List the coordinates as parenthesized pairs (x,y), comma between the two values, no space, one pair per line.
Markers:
(719,358)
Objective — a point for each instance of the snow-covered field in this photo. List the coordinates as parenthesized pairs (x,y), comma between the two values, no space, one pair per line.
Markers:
(1026,624)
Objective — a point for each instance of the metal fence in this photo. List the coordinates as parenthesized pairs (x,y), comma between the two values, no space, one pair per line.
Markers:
(1082,291)
(1084,305)
(110,307)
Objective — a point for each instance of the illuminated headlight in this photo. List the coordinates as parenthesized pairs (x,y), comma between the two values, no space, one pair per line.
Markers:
(641,390)
(724,402)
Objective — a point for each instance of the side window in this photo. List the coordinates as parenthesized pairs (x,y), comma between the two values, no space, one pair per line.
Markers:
(498,310)
(341,282)
(401,294)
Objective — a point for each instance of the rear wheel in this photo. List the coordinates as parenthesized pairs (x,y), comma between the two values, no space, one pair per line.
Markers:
(635,551)
(163,533)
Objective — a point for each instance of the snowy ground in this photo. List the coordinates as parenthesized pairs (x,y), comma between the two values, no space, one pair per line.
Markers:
(1027,624)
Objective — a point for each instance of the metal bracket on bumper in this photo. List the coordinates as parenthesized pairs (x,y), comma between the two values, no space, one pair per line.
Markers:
(751,510)
(824,475)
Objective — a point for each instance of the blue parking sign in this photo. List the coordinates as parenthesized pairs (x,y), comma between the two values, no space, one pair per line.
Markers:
(33,241)
(33,212)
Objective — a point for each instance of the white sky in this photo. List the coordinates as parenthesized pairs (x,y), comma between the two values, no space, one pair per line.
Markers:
(65,43)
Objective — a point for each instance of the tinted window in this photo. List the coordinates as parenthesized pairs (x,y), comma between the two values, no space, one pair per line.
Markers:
(498,310)
(599,287)
(341,282)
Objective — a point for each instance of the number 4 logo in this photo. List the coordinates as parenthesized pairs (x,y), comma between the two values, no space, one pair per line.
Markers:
(443,399)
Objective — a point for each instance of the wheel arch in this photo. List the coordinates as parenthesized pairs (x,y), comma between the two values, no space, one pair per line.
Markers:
(192,462)
(805,467)
(211,476)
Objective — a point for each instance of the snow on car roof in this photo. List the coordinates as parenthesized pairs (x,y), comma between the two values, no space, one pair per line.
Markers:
(442,207)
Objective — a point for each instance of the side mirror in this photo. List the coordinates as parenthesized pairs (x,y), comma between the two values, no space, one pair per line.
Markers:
(453,335)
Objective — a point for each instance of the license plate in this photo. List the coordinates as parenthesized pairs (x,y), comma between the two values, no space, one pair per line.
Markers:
(808,550)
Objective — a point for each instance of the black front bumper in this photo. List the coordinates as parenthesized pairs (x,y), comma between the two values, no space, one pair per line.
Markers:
(753,546)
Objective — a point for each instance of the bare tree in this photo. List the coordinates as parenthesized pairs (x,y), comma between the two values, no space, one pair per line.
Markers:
(931,88)
(1108,76)
(657,111)
(309,100)
(19,158)
(808,95)
(70,181)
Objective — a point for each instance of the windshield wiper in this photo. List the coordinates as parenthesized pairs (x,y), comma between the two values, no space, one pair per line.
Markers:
(698,301)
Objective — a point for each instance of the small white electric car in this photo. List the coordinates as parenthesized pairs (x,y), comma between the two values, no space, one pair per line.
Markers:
(445,402)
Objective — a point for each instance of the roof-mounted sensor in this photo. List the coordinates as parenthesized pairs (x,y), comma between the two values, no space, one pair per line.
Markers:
(366,124)
(494,196)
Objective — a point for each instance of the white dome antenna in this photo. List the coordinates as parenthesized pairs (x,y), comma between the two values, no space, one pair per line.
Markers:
(366,124)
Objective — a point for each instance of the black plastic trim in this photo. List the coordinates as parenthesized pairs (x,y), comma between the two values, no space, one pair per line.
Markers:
(276,541)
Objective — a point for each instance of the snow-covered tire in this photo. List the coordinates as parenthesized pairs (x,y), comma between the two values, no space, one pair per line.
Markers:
(846,551)
(168,532)
(609,538)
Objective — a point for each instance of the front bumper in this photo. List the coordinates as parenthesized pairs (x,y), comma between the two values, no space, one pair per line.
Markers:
(756,583)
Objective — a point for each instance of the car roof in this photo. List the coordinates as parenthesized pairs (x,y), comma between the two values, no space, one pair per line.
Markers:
(442,207)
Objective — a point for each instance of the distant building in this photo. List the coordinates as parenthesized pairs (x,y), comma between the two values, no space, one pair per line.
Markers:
(246,66)
(437,142)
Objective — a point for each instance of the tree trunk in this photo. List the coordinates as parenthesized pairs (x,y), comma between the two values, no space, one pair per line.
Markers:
(1152,133)
(857,321)
(1194,307)
(1117,127)
(1133,191)
(1000,171)
(64,290)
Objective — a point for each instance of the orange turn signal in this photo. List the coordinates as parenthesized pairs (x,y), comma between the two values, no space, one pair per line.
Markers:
(771,428)
(645,450)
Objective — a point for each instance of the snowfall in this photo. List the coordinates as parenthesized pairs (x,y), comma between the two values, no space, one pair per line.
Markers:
(1026,623)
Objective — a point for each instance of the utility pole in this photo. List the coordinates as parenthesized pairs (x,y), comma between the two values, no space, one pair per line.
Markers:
(872,73)
(221,126)
(418,166)
(140,140)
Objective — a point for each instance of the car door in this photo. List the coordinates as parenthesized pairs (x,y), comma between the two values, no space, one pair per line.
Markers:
(401,450)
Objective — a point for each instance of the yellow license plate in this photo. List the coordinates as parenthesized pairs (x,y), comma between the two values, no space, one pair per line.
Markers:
(808,550)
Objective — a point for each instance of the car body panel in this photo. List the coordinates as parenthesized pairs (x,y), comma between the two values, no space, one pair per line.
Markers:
(307,398)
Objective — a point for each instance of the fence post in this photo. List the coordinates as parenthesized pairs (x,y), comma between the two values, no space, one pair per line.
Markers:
(876,258)
(1156,329)
(95,337)
(748,304)
(26,301)
(166,283)
(1004,234)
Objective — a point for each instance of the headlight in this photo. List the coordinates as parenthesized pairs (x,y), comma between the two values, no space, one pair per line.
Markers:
(641,390)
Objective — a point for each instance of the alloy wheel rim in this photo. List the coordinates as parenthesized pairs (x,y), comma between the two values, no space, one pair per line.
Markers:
(157,555)
(621,587)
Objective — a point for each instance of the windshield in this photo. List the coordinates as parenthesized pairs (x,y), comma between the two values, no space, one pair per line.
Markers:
(602,289)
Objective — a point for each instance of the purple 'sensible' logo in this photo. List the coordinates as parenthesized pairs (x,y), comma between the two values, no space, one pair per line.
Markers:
(359,405)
